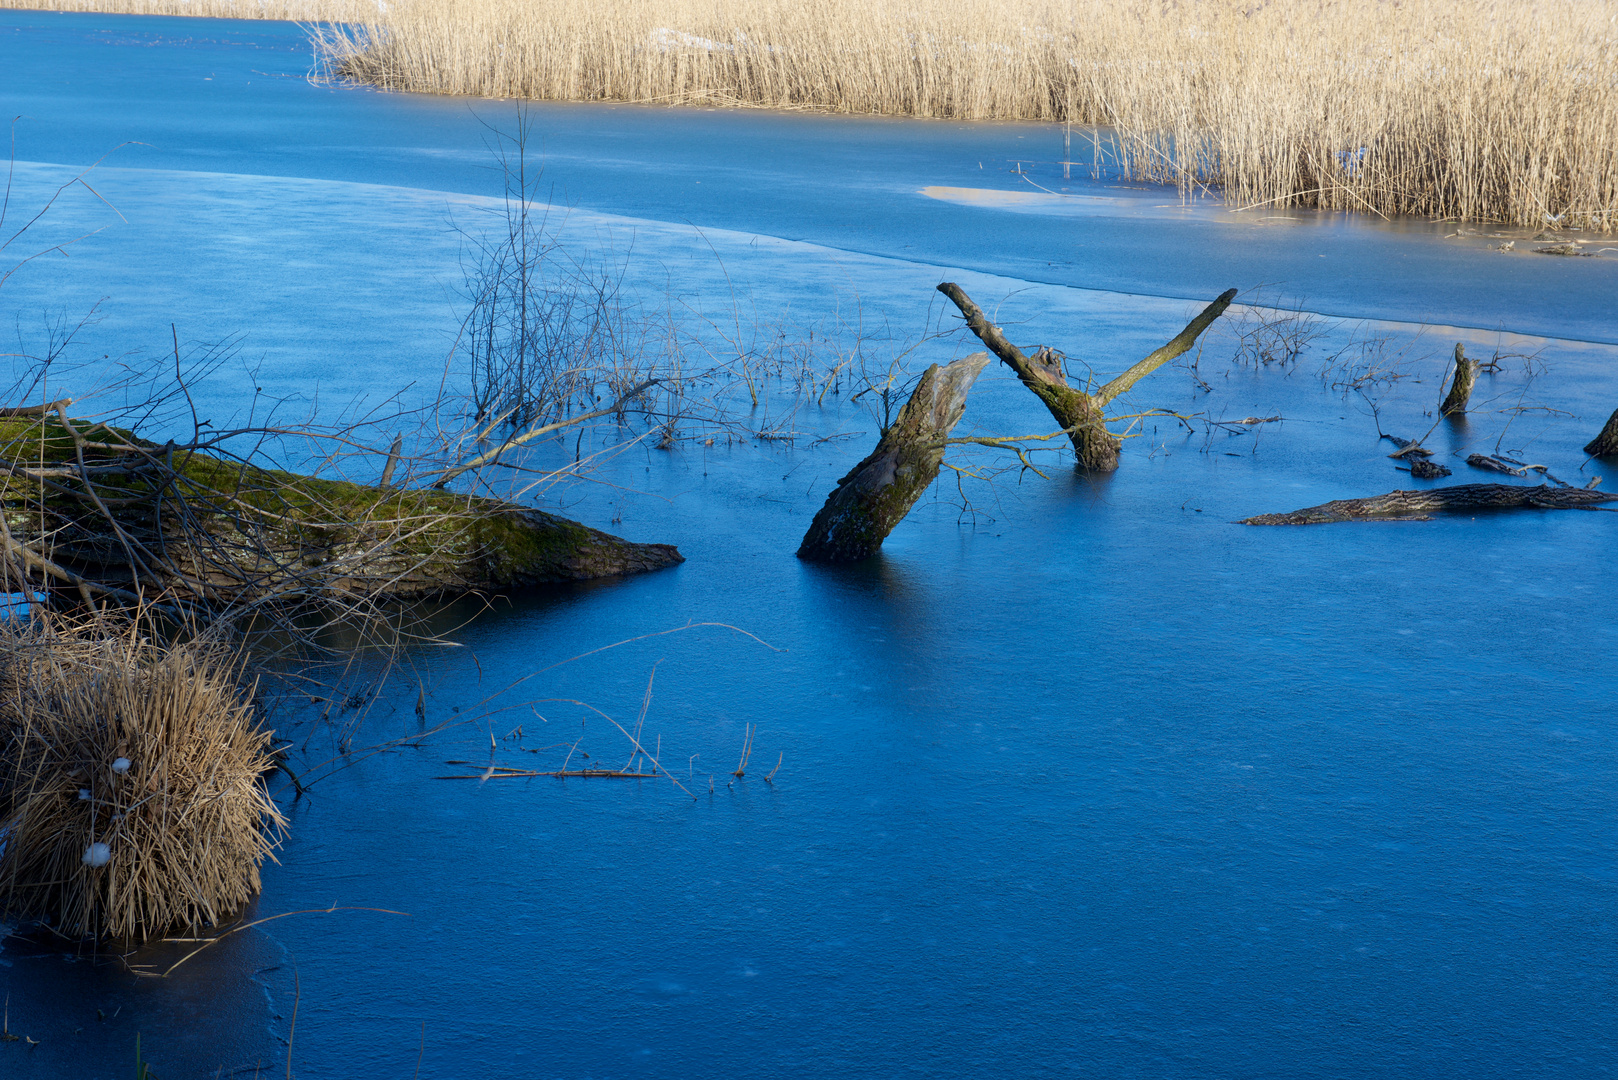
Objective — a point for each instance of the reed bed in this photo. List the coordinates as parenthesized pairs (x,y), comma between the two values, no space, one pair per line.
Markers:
(131,793)
(1476,110)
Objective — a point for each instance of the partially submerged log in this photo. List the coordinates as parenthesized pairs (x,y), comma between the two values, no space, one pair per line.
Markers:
(1081,415)
(1493,464)
(106,514)
(1460,387)
(1606,443)
(878,492)
(1422,505)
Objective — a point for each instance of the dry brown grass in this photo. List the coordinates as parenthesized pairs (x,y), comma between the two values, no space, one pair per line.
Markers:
(186,825)
(1468,109)
(1477,110)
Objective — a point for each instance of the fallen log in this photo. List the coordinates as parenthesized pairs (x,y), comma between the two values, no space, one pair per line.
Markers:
(1081,415)
(101,512)
(878,492)
(1422,505)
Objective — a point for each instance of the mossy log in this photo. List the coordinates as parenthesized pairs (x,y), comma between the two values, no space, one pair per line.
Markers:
(878,492)
(1606,443)
(1081,415)
(1460,386)
(96,508)
(1422,505)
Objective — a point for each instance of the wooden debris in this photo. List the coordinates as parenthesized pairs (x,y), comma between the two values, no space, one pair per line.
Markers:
(878,492)
(1422,505)
(1460,387)
(1606,443)
(1081,415)
(1494,464)
(1422,469)
(1407,448)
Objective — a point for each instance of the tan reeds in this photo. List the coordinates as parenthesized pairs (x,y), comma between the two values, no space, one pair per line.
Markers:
(1477,110)
(1467,109)
(108,738)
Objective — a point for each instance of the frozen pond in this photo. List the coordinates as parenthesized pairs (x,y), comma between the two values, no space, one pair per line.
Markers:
(1089,782)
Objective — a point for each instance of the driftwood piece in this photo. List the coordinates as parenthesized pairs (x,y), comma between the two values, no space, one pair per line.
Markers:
(1081,415)
(1422,469)
(1408,448)
(1422,505)
(1460,387)
(879,491)
(1493,464)
(1606,443)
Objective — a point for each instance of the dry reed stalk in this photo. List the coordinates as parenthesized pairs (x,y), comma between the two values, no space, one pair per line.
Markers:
(1465,109)
(110,738)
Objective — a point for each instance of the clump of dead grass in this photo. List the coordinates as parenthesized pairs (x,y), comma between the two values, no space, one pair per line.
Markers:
(132,799)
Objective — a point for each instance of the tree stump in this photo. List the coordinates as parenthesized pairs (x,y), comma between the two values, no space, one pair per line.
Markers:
(879,491)
(1605,444)
(1460,387)
(1082,416)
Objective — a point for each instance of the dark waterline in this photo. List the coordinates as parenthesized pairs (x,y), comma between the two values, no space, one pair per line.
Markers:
(1093,784)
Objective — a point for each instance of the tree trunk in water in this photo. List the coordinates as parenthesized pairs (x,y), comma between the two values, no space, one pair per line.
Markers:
(1605,444)
(1421,505)
(1081,415)
(1460,387)
(879,491)
(113,515)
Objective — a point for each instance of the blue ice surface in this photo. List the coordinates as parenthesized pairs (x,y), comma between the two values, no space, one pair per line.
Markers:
(1081,780)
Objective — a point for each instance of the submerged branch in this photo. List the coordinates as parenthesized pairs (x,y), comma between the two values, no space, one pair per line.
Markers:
(1422,505)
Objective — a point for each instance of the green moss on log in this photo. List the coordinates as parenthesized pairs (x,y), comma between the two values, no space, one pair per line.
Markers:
(219,524)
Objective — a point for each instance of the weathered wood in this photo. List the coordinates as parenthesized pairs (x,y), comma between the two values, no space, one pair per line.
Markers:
(1606,443)
(1422,469)
(46,409)
(1460,386)
(1493,464)
(1422,505)
(1408,448)
(106,513)
(878,492)
(1081,415)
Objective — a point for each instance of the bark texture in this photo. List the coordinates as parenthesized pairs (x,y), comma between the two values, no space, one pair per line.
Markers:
(98,510)
(879,491)
(1460,387)
(1605,444)
(1422,505)
(1081,415)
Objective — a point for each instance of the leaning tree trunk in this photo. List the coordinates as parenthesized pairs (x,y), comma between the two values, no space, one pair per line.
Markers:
(1605,444)
(1460,387)
(109,515)
(879,491)
(1081,415)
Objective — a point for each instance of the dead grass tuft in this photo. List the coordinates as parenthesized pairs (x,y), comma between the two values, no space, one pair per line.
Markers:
(131,793)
